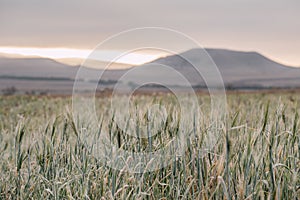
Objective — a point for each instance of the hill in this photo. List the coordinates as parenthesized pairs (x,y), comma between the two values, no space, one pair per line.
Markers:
(239,70)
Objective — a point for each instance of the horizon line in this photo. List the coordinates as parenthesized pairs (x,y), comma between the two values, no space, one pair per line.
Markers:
(70,56)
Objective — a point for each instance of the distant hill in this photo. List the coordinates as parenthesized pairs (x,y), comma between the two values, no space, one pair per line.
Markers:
(240,70)
(35,67)
(45,75)
(34,74)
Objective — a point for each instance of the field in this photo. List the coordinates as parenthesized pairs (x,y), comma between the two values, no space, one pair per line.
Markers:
(257,156)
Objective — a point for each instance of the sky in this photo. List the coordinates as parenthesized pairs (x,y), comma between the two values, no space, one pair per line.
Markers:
(270,27)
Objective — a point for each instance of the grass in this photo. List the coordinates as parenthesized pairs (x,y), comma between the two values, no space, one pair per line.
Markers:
(256,157)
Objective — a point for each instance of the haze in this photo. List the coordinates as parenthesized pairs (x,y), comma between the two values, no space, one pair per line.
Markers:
(271,27)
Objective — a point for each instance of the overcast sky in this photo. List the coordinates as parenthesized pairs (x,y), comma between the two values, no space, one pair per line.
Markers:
(271,27)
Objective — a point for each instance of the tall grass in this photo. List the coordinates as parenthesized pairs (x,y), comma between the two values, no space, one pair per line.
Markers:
(257,156)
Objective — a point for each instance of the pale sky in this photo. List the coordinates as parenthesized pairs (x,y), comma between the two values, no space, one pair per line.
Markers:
(271,27)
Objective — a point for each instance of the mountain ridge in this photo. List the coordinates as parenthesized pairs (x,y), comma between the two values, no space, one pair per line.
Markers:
(239,69)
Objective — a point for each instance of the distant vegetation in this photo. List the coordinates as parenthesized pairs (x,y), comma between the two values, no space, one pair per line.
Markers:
(9,91)
(32,78)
